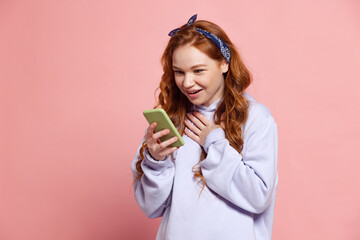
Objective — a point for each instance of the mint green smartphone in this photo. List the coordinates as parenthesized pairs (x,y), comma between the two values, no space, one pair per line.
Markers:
(163,122)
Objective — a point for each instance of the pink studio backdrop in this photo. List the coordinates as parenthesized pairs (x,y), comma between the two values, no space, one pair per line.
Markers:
(76,75)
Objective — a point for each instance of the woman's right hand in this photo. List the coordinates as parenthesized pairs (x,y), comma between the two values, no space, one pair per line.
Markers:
(157,149)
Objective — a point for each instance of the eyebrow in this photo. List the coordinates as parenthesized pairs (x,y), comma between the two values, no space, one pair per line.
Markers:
(195,66)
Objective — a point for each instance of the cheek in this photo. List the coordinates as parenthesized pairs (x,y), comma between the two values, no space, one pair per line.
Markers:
(178,82)
(219,79)
(205,81)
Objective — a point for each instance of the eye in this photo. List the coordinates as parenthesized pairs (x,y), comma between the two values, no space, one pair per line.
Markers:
(178,72)
(199,70)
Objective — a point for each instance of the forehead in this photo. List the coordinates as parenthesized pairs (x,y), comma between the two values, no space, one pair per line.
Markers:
(188,55)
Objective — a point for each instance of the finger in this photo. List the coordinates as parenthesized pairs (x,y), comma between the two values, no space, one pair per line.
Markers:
(160,134)
(160,151)
(196,121)
(168,151)
(192,136)
(150,130)
(192,127)
(168,142)
(202,118)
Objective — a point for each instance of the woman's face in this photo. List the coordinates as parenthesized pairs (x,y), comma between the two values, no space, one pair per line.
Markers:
(198,77)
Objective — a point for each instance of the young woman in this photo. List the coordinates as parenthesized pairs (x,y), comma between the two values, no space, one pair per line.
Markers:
(222,183)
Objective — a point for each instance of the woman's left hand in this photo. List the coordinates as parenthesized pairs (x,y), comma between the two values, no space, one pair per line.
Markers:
(199,127)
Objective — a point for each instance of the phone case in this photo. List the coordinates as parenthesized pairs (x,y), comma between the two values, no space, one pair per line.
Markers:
(163,122)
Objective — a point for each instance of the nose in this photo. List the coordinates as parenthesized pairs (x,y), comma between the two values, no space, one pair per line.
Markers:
(188,81)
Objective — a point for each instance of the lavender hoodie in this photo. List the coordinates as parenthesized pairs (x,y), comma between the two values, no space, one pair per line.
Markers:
(239,197)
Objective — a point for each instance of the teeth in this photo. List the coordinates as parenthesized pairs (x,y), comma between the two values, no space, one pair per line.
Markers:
(195,92)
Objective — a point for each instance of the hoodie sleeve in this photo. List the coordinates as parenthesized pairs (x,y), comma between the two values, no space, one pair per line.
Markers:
(153,190)
(247,181)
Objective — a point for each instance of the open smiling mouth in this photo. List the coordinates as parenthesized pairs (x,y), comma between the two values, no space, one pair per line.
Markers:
(194,92)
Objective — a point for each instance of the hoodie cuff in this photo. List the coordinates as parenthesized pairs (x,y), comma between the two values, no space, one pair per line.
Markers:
(214,135)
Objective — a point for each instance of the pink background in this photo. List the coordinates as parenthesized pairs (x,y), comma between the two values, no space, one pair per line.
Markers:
(76,75)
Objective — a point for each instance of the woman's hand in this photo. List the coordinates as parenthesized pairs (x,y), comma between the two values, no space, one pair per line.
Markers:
(199,127)
(157,149)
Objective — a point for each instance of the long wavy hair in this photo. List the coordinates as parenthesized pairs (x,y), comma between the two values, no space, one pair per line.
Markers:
(232,110)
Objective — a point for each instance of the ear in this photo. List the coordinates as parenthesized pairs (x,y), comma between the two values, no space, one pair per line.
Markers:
(224,66)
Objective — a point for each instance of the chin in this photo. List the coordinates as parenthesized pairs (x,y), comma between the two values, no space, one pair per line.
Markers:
(196,102)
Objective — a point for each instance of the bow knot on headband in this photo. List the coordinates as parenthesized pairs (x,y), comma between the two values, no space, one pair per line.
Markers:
(225,51)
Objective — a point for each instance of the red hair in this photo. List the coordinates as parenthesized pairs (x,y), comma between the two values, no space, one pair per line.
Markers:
(232,109)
